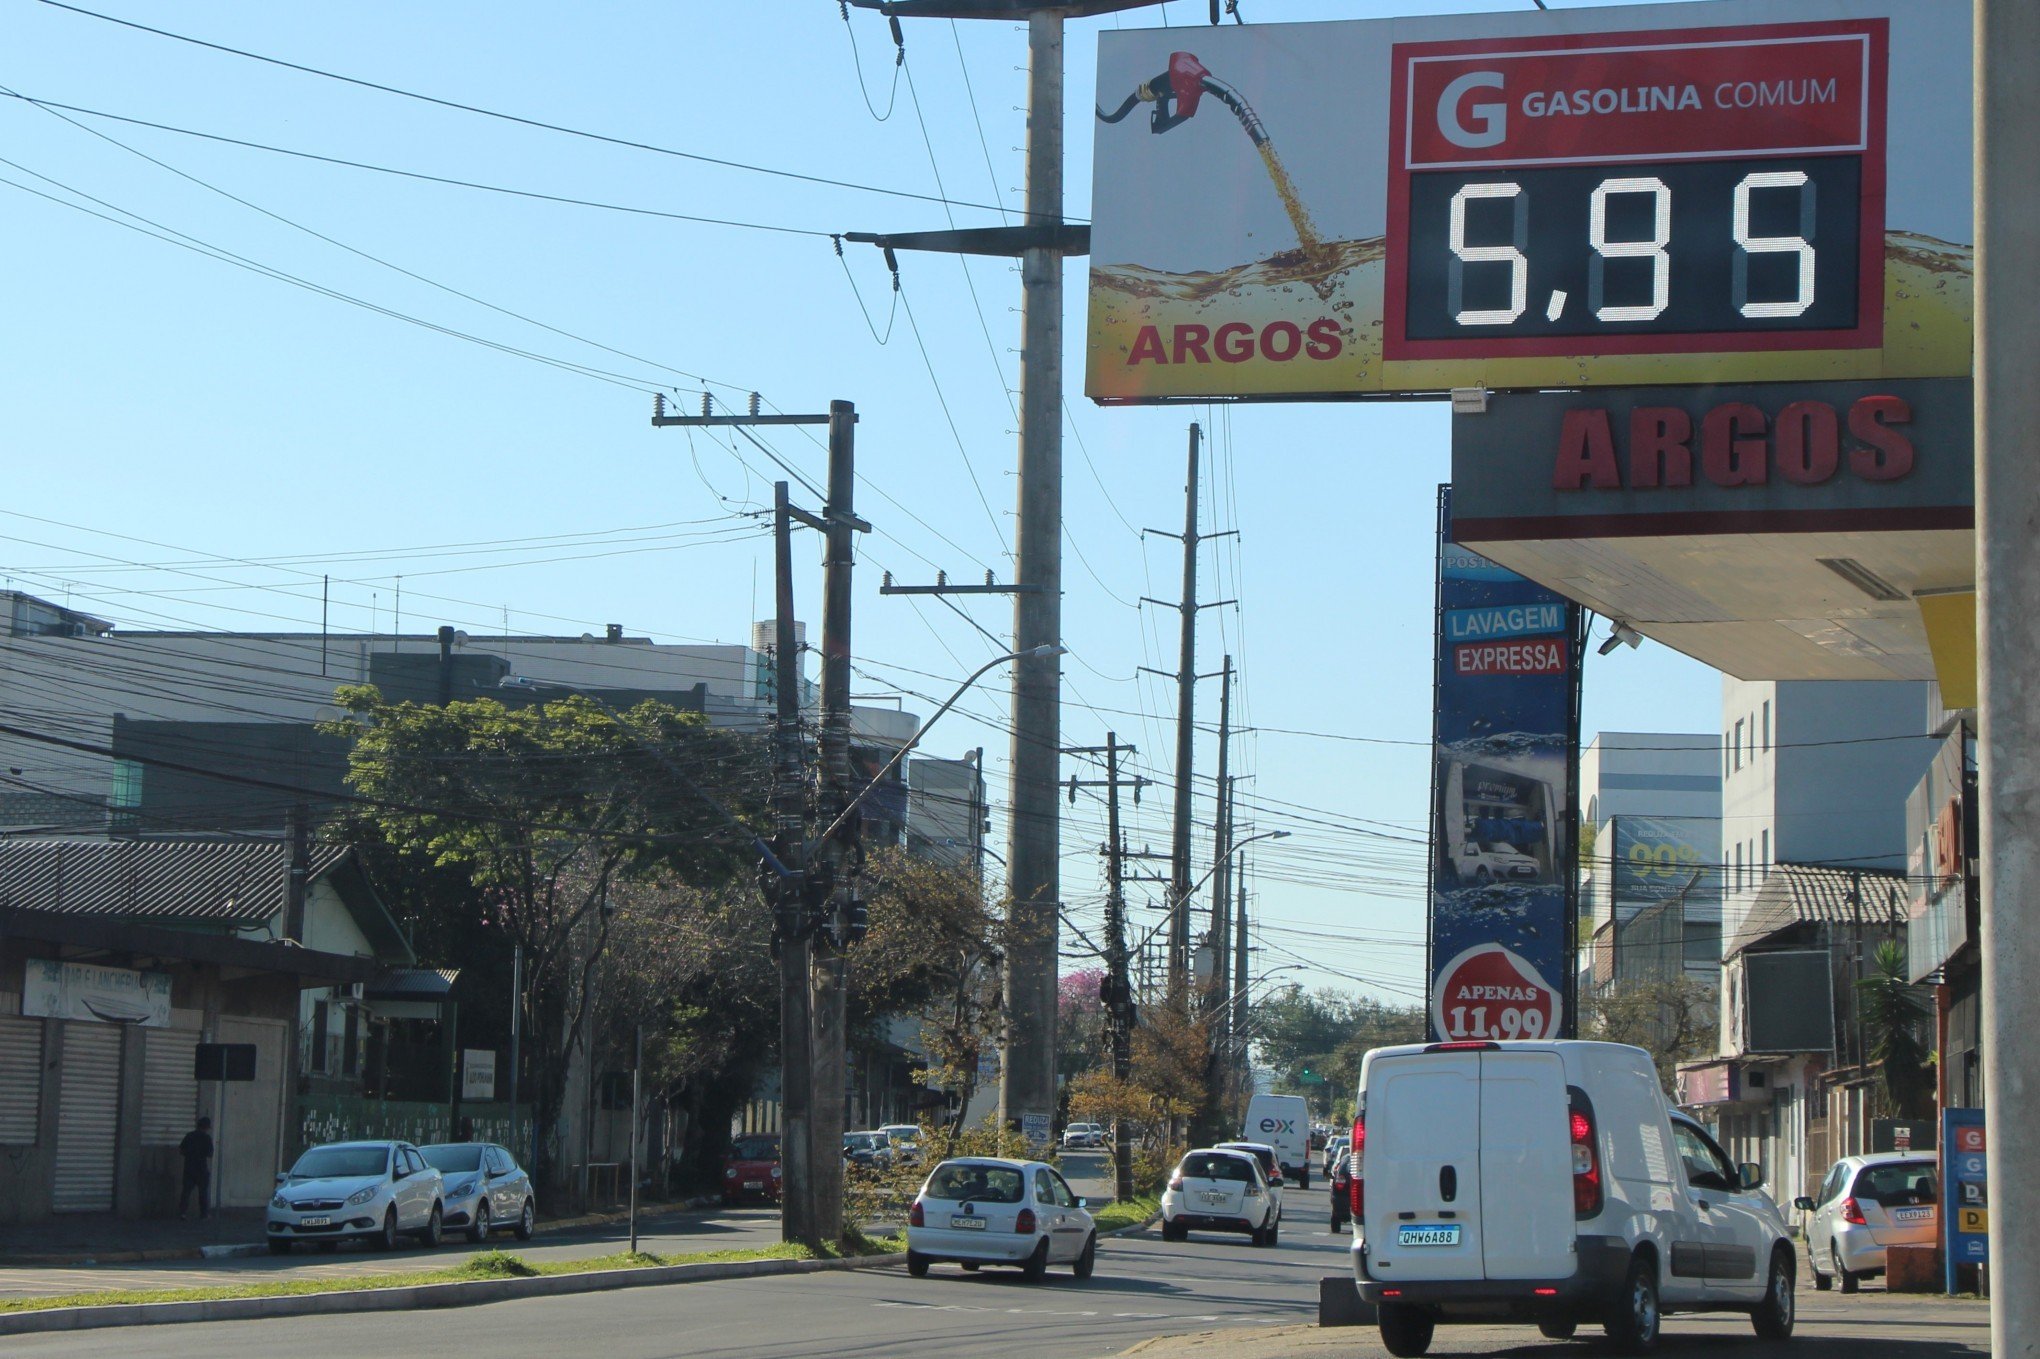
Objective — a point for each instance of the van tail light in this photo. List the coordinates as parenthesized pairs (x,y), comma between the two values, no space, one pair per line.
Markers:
(1852,1212)
(1024,1224)
(1356,1185)
(1586,1160)
(916,1217)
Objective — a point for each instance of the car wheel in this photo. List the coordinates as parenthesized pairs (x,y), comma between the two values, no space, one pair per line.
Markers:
(1480,875)
(478,1230)
(386,1239)
(1774,1315)
(1406,1330)
(917,1264)
(527,1222)
(969,1266)
(1172,1232)
(1557,1328)
(1632,1322)
(1849,1281)
(429,1236)
(279,1246)
(1087,1263)
(1036,1268)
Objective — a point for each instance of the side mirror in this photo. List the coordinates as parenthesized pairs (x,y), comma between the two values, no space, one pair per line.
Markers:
(1803,1203)
(282,1178)
(1083,1203)
(1278,1182)
(1751,1175)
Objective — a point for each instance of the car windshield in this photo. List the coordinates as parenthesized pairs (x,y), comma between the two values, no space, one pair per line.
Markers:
(332,1163)
(1898,1182)
(755,1149)
(902,1133)
(987,1184)
(864,1141)
(454,1158)
(1216,1167)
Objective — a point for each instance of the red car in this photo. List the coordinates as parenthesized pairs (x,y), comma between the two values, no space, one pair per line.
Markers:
(751,1170)
(1342,1189)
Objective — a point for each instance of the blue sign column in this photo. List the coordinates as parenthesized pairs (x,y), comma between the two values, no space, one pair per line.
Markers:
(1965,1191)
(1502,821)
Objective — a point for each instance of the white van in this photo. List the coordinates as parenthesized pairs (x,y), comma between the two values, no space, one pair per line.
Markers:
(1283,1122)
(1549,1182)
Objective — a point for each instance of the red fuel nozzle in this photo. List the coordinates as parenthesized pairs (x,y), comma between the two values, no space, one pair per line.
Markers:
(1178,91)
(1186,82)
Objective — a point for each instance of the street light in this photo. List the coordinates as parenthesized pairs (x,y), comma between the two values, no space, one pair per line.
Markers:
(1191,891)
(1252,982)
(1031,653)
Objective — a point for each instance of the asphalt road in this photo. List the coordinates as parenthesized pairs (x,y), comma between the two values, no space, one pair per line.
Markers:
(1142,1288)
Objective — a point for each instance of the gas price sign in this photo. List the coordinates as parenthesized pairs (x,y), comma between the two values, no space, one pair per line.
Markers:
(1731,191)
(1638,193)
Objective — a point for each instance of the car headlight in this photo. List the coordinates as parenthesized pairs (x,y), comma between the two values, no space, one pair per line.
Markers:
(775,1172)
(363,1195)
(461,1190)
(729,1172)
(280,1202)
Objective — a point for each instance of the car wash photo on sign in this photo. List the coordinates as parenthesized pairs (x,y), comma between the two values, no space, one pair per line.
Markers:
(1500,807)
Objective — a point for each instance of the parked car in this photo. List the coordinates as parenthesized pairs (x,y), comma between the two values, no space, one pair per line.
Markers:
(1089,1135)
(1221,1190)
(1283,1122)
(906,1142)
(1550,1179)
(1333,1149)
(751,1170)
(986,1211)
(868,1150)
(485,1190)
(1866,1204)
(1340,1175)
(1271,1169)
(373,1191)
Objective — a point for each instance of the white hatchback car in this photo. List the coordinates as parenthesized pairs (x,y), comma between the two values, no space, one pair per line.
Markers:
(373,1190)
(1217,1190)
(984,1211)
(1867,1203)
(1083,1135)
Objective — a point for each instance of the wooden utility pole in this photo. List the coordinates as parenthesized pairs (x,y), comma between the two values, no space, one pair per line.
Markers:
(790,807)
(1221,854)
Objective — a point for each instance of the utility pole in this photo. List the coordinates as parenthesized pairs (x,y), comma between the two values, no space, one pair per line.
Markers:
(1221,880)
(299,828)
(789,800)
(1033,868)
(1239,962)
(2007,124)
(1186,677)
(809,886)
(841,853)
(1117,992)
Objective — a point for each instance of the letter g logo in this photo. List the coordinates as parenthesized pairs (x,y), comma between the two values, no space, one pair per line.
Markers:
(1492,120)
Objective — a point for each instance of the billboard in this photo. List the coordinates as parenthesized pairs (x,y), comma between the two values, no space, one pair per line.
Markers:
(1940,824)
(1665,858)
(1729,191)
(1501,748)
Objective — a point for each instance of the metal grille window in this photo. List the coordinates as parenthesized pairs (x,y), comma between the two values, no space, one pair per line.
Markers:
(20,1080)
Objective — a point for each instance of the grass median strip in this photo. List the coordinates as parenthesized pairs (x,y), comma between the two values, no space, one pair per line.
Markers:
(1126,1213)
(487,1265)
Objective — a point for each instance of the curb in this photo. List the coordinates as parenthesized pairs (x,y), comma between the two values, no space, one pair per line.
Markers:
(416,1297)
(242,1249)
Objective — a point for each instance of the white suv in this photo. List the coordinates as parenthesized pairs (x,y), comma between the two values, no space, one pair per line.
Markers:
(1550,1181)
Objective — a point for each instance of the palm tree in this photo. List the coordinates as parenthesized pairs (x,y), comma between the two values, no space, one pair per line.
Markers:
(1894,1012)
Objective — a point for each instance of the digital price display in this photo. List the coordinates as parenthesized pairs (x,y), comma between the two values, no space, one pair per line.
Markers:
(1651,193)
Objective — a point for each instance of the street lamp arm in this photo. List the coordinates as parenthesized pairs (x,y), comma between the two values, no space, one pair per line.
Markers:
(1191,891)
(844,816)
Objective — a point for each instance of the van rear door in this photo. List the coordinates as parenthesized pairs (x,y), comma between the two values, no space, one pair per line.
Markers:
(1423,1168)
(1526,1194)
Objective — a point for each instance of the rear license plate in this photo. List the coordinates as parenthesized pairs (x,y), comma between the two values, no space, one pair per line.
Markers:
(1428,1234)
(969,1224)
(1211,1197)
(315,1222)
(754,1184)
(1911,1214)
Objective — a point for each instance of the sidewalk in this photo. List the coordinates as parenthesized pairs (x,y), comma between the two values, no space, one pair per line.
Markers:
(105,1239)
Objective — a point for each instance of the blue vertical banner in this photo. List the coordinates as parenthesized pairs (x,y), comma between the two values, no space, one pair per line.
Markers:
(1965,1190)
(1501,813)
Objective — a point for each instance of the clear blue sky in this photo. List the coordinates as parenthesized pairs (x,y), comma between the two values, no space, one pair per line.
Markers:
(257,434)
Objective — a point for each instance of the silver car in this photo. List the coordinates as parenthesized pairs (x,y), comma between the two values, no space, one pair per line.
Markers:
(1866,1204)
(486,1190)
(373,1191)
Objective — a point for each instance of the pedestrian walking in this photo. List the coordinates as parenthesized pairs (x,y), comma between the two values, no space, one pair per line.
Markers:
(197,1151)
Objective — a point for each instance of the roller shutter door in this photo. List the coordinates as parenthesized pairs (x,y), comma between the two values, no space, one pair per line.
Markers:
(169,1094)
(20,1080)
(88,1118)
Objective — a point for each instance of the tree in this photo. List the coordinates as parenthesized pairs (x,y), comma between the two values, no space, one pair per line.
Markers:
(1674,1019)
(1083,1036)
(540,813)
(1325,1033)
(1894,1013)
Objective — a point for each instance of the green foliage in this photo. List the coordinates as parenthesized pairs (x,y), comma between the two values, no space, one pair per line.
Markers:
(1675,1019)
(1314,1040)
(1895,1015)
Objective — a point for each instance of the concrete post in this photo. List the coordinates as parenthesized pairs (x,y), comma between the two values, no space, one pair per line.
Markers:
(1027,1076)
(2007,61)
